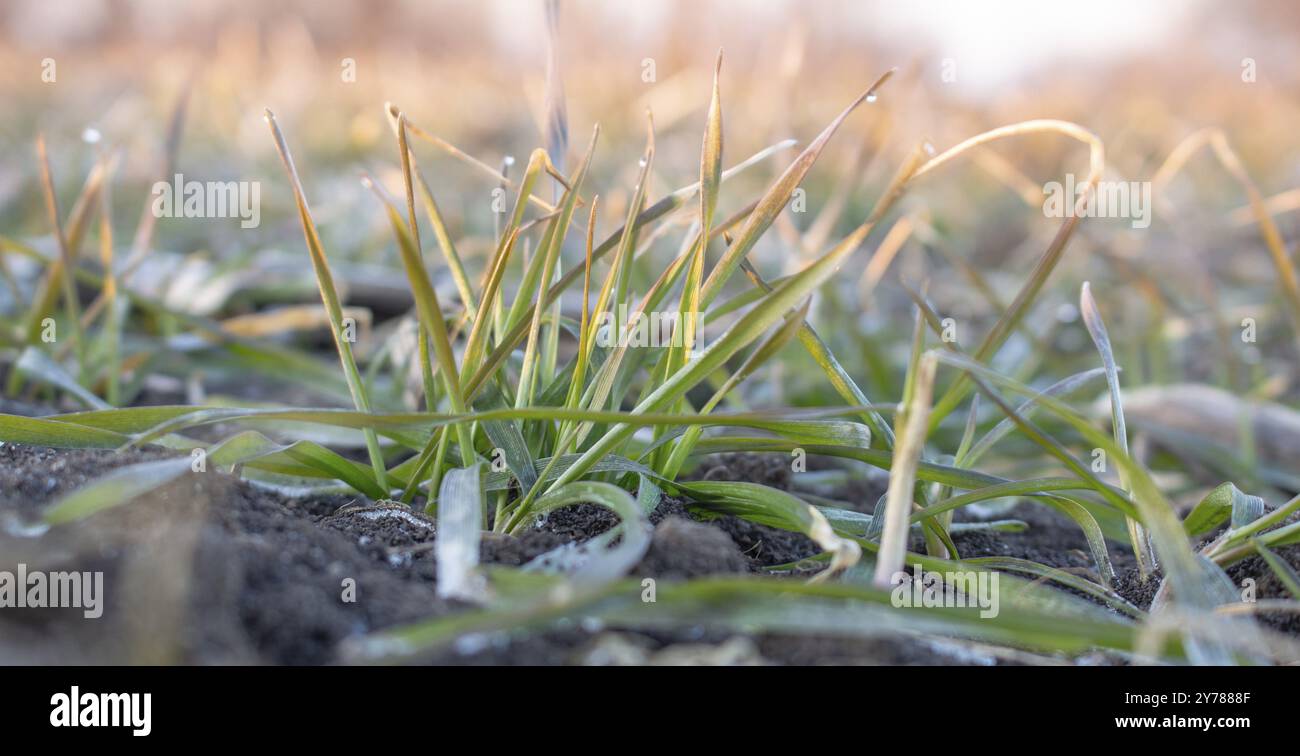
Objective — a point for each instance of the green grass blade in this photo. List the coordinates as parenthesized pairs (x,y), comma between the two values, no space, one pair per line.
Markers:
(16,429)
(1285,572)
(329,296)
(1216,507)
(1192,585)
(1097,330)
(431,320)
(1063,387)
(1111,599)
(548,254)
(253,449)
(778,509)
(118,487)
(748,328)
(775,199)
(591,564)
(34,364)
(840,380)
(765,351)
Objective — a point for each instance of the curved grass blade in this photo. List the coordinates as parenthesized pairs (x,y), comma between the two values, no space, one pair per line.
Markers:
(395,120)
(397,425)
(1026,410)
(778,509)
(431,319)
(769,606)
(548,469)
(34,364)
(591,563)
(761,354)
(1193,583)
(1097,330)
(839,378)
(549,255)
(127,420)
(301,458)
(1010,319)
(1216,507)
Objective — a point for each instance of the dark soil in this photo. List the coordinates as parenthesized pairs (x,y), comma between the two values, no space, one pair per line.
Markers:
(1141,593)
(762,546)
(768,469)
(1051,539)
(1132,587)
(213,570)
(1268,586)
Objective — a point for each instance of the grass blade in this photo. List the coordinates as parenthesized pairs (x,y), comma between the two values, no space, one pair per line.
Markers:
(1285,572)
(329,296)
(902,474)
(118,487)
(461,514)
(1097,330)
(591,564)
(1010,320)
(776,197)
(749,327)
(778,509)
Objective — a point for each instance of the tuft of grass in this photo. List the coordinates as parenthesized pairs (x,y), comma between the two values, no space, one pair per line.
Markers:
(511,372)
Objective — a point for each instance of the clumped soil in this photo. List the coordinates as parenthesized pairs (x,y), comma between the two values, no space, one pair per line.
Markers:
(1252,570)
(211,569)
(761,545)
(1268,586)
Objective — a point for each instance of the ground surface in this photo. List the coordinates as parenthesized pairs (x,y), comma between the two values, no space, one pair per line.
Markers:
(212,569)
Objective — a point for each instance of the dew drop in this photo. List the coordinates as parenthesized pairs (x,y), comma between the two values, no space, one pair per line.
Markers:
(91,135)
(871,97)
